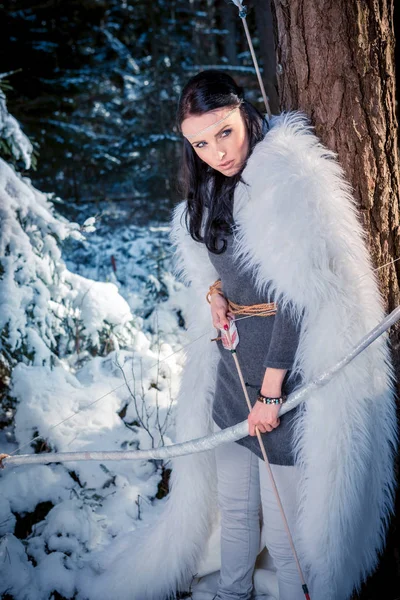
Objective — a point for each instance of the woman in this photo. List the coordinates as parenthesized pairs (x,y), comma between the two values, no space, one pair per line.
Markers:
(223,139)
(277,223)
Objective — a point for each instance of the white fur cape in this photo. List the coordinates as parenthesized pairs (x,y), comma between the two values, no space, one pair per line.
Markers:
(297,228)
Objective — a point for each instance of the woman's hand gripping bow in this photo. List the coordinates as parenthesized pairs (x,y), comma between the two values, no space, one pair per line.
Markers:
(265,416)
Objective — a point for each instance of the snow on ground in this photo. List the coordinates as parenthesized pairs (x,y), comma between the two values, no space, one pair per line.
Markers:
(52,516)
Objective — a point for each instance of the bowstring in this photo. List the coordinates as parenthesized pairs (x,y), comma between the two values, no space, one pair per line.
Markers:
(182,347)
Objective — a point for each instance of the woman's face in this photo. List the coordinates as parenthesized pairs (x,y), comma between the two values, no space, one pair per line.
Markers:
(224,142)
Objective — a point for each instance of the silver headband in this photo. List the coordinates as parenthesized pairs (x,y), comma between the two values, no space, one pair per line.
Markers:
(191,135)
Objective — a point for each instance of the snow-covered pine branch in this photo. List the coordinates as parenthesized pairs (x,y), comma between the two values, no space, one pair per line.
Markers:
(12,136)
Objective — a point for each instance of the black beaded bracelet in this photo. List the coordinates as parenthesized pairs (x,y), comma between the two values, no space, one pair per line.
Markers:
(269,399)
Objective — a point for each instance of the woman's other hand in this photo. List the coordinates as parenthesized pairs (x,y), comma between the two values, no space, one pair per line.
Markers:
(220,312)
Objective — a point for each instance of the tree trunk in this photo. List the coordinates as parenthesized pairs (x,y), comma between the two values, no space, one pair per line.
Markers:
(229,21)
(336,64)
(341,74)
(155,24)
(210,38)
(265,31)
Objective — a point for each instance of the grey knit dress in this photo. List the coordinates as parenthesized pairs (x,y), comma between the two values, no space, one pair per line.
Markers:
(263,342)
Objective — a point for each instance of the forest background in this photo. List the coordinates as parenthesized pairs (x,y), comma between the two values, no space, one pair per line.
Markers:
(94,86)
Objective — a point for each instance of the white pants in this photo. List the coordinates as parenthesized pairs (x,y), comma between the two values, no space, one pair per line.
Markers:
(243,484)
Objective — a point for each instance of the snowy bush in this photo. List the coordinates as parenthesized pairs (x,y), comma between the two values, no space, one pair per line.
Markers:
(47,311)
(14,144)
(83,374)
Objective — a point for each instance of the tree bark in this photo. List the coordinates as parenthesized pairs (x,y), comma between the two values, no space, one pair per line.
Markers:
(335,62)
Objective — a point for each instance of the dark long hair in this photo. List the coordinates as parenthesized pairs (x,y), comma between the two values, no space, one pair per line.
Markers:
(202,186)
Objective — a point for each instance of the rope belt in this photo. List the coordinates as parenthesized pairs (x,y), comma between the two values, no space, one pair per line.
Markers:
(265,309)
